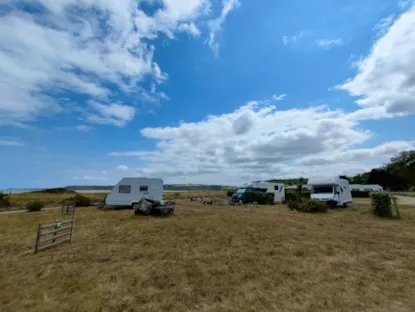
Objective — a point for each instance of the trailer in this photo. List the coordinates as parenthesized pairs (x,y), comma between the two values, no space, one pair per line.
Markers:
(129,191)
(278,189)
(334,191)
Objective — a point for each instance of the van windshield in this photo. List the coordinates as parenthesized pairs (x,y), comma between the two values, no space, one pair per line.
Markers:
(323,189)
(241,190)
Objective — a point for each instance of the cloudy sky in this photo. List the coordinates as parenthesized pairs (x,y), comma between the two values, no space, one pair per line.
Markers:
(202,91)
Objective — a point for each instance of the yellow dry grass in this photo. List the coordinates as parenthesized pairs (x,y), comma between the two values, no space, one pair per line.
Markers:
(212,258)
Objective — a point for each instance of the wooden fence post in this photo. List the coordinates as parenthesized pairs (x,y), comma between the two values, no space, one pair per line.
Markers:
(73,226)
(38,238)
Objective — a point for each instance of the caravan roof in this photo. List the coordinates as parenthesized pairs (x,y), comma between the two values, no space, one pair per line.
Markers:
(324,181)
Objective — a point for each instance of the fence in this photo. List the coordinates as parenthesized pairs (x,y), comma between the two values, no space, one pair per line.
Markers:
(62,232)
(68,207)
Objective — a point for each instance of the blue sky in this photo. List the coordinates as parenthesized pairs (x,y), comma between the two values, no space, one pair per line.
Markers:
(202,91)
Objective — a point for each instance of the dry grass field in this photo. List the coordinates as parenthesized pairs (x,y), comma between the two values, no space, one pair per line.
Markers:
(212,258)
(18,201)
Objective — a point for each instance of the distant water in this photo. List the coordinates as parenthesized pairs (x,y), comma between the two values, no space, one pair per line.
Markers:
(18,191)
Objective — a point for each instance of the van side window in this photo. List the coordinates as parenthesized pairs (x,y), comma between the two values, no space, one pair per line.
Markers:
(275,187)
(143,188)
(124,189)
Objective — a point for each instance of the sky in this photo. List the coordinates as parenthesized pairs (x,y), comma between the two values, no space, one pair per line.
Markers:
(202,91)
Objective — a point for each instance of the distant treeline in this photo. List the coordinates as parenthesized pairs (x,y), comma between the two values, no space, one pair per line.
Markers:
(397,175)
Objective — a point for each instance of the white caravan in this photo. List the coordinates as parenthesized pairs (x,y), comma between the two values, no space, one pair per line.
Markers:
(129,191)
(278,189)
(366,187)
(334,191)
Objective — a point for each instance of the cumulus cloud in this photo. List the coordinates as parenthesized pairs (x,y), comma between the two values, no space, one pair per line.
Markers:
(258,141)
(96,49)
(113,114)
(386,77)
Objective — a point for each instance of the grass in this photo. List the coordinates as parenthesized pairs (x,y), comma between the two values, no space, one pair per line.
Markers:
(212,258)
(19,201)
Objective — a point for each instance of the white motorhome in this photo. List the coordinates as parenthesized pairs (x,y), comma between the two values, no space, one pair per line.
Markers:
(129,191)
(278,189)
(334,191)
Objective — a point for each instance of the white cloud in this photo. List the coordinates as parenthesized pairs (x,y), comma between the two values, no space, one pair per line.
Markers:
(329,43)
(292,40)
(216,24)
(10,141)
(83,128)
(113,114)
(386,77)
(383,25)
(279,97)
(190,28)
(122,168)
(261,142)
(99,49)
(403,4)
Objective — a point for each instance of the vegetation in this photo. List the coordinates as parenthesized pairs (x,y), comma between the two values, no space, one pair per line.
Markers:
(81,200)
(307,205)
(298,181)
(57,190)
(360,194)
(382,205)
(397,175)
(34,206)
(4,200)
(229,193)
(203,259)
(258,197)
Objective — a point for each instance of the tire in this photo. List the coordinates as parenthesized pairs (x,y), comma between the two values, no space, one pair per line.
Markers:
(344,205)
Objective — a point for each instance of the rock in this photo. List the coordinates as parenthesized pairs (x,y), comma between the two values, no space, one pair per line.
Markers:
(154,208)
(143,207)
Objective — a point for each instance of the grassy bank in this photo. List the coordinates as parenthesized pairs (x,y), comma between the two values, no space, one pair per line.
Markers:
(212,258)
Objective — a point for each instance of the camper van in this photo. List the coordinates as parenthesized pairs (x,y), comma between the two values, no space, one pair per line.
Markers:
(334,191)
(277,189)
(129,191)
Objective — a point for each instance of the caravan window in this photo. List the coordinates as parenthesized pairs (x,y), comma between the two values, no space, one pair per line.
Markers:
(323,189)
(275,187)
(124,189)
(143,188)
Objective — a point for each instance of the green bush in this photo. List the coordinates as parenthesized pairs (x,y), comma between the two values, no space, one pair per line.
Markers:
(81,200)
(382,205)
(34,206)
(229,193)
(292,194)
(4,200)
(307,205)
(258,197)
(57,190)
(360,194)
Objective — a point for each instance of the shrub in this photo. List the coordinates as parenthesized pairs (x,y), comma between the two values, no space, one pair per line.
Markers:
(81,200)
(229,193)
(360,194)
(307,205)
(382,205)
(4,200)
(34,206)
(258,197)
(57,190)
(290,195)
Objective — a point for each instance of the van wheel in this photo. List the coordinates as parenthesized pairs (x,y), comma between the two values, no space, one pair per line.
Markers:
(344,205)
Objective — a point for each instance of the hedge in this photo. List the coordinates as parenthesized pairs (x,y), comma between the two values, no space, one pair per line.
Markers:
(290,195)
(258,197)
(307,205)
(382,205)
(34,206)
(81,200)
(361,194)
